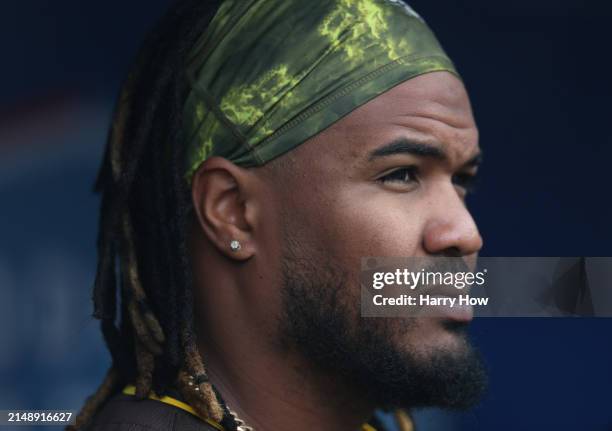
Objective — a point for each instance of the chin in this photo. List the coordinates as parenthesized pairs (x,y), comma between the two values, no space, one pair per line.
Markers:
(435,334)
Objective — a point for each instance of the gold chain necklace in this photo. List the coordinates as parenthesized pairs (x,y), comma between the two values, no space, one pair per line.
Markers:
(242,426)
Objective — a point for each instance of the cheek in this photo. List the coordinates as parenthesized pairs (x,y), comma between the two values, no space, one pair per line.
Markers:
(366,221)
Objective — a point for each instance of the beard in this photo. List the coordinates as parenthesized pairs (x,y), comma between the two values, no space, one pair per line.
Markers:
(320,319)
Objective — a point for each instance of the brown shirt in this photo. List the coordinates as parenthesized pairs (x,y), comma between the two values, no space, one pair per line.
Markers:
(127,413)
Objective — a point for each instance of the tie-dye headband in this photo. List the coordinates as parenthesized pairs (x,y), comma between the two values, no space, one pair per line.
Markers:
(269,74)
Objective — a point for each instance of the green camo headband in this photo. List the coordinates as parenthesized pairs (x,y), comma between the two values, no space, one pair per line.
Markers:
(269,74)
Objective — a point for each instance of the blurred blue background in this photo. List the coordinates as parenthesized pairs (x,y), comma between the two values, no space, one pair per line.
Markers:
(538,75)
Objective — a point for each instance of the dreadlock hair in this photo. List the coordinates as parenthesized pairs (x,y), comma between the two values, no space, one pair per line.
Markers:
(143,289)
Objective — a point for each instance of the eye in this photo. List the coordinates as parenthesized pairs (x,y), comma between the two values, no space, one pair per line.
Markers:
(466,181)
(403,175)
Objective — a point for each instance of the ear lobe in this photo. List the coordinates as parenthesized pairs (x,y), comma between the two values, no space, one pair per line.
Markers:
(219,200)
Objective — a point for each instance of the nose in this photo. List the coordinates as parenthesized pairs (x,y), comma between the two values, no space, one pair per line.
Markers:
(451,229)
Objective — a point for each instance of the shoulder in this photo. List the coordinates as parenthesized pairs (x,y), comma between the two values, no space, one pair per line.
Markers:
(125,412)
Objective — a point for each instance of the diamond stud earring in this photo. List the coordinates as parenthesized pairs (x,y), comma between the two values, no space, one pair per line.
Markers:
(235,245)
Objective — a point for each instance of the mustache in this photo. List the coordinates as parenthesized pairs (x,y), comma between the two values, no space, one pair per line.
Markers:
(429,272)
(447,264)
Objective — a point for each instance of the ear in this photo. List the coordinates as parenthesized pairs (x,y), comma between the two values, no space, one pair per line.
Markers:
(220,193)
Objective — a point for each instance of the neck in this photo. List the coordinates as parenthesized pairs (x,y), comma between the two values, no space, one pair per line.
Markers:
(271,392)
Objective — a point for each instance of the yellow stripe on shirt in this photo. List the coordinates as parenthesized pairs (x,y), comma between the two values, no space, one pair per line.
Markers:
(131,390)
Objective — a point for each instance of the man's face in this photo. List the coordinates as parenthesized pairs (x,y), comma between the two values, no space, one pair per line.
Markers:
(389,179)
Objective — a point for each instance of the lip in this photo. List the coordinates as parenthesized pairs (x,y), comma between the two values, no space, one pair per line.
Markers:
(458,313)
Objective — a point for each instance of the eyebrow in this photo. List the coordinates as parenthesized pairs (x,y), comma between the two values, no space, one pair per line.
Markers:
(406,146)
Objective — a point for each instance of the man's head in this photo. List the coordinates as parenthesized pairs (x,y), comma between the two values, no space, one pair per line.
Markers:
(389,179)
(382,178)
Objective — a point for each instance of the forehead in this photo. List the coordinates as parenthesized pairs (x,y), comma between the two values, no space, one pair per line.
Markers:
(433,108)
